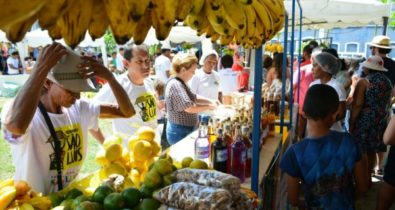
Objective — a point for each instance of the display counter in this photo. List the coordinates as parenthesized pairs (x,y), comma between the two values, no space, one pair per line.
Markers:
(186,147)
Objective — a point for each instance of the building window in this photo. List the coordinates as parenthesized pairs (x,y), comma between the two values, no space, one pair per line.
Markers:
(335,45)
(352,47)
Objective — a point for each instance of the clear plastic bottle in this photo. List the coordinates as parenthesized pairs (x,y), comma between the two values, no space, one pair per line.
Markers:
(238,156)
(202,145)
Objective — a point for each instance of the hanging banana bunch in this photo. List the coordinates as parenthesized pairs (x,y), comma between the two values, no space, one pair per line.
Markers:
(249,23)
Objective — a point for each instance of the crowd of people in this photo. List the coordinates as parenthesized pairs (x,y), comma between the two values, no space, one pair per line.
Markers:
(342,115)
(343,128)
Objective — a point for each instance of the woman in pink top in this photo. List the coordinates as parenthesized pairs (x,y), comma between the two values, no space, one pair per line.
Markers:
(306,77)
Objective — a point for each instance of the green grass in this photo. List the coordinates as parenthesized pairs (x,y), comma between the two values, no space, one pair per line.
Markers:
(7,169)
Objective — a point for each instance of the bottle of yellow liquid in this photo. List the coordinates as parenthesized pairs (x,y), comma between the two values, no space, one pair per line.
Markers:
(271,121)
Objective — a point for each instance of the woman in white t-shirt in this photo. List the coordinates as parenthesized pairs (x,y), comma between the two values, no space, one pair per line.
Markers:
(325,66)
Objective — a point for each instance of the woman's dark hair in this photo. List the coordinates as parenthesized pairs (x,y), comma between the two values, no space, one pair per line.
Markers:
(320,102)
(278,65)
(267,61)
(227,61)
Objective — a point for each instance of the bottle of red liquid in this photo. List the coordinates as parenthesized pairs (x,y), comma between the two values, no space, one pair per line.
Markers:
(238,156)
(247,142)
(228,140)
(219,153)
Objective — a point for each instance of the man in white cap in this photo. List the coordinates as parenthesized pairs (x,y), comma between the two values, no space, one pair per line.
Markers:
(49,143)
(206,80)
(381,46)
(163,64)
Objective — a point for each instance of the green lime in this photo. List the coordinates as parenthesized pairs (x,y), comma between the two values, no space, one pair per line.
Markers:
(74,193)
(132,197)
(55,199)
(146,191)
(149,204)
(114,201)
(101,193)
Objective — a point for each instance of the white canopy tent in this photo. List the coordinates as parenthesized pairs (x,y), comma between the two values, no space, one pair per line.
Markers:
(318,14)
(178,34)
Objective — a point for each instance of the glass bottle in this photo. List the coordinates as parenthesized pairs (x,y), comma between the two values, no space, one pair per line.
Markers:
(202,145)
(219,153)
(238,156)
(245,131)
(271,121)
(210,131)
(229,140)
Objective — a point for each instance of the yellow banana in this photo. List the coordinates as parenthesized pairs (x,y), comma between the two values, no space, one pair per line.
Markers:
(263,16)
(50,12)
(7,195)
(40,203)
(197,6)
(137,8)
(26,206)
(16,11)
(6,182)
(215,4)
(99,20)
(215,17)
(234,17)
(183,9)
(209,31)
(215,37)
(239,36)
(196,21)
(55,32)
(276,10)
(247,2)
(251,20)
(163,17)
(225,40)
(75,22)
(121,23)
(17,31)
(143,25)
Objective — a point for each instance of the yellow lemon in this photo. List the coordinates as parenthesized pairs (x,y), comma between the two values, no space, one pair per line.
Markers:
(101,158)
(146,133)
(132,141)
(114,152)
(135,177)
(139,165)
(142,150)
(198,164)
(155,148)
(112,140)
(114,168)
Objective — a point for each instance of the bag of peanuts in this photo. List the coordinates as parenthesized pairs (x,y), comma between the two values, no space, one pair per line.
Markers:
(210,178)
(190,196)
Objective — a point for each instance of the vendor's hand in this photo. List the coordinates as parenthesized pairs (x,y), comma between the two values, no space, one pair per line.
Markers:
(212,106)
(90,67)
(50,56)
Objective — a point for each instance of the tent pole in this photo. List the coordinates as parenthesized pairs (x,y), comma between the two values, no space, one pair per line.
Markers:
(256,135)
(284,74)
(385,25)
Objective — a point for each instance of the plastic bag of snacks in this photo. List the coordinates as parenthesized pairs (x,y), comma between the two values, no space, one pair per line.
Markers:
(210,178)
(185,195)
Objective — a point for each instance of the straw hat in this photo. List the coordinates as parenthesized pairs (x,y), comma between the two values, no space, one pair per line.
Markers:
(66,74)
(375,63)
(381,42)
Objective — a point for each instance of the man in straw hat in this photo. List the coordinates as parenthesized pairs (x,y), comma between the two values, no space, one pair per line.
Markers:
(381,46)
(49,162)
